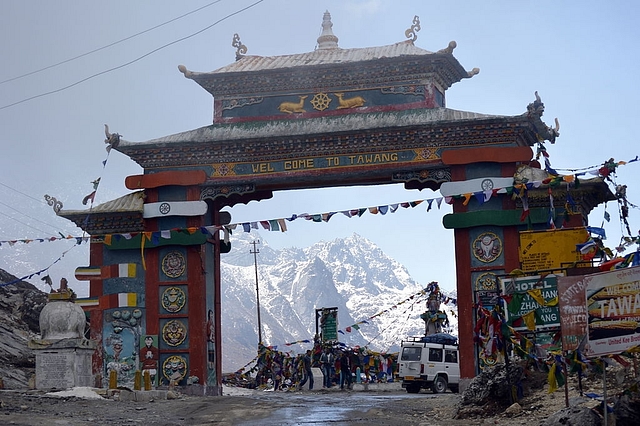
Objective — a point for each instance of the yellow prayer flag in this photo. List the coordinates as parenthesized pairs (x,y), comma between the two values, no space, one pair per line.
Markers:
(536,294)
(551,378)
(530,320)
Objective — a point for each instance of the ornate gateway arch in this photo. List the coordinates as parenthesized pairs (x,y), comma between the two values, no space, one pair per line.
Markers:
(330,117)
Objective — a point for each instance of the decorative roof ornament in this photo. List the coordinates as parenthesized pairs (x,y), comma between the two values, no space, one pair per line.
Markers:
(545,133)
(327,39)
(449,49)
(112,139)
(53,202)
(411,32)
(241,49)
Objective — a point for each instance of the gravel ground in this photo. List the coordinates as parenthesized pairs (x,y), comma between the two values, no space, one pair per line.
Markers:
(391,406)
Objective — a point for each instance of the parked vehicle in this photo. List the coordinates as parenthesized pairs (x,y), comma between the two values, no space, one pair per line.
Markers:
(428,362)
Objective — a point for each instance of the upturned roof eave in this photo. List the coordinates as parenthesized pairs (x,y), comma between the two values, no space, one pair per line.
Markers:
(253,65)
(321,125)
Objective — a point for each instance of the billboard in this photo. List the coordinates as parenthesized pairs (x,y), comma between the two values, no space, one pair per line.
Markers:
(613,311)
(550,249)
(573,311)
(534,298)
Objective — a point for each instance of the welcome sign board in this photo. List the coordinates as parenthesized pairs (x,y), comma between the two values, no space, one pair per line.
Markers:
(613,308)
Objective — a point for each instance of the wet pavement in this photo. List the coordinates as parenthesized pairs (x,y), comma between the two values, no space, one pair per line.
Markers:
(326,406)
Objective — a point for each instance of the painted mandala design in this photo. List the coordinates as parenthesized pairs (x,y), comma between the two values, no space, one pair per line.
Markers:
(174,264)
(487,281)
(487,247)
(174,368)
(223,170)
(174,332)
(173,299)
(425,153)
(320,101)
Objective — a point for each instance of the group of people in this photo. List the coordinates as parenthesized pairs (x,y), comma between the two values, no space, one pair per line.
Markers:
(338,365)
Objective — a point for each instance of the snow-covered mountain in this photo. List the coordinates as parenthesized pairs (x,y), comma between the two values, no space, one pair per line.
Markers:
(352,274)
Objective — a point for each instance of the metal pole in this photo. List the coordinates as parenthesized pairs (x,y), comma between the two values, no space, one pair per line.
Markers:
(255,252)
(604,391)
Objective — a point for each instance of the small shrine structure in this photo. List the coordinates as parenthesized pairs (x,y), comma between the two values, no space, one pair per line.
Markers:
(330,117)
(63,354)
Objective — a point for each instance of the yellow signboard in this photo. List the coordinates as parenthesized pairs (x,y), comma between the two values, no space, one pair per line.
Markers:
(550,249)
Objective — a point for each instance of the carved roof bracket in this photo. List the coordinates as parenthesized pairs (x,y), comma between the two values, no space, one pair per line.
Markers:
(241,49)
(411,32)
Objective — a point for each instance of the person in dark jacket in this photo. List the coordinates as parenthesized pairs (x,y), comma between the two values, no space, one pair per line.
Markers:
(327,361)
(345,370)
(307,374)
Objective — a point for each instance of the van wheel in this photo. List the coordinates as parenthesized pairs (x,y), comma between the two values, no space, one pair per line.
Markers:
(439,385)
(413,389)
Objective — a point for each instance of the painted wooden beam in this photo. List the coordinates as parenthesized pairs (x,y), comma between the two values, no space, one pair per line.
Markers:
(494,217)
(120,270)
(155,180)
(174,208)
(472,186)
(178,238)
(516,154)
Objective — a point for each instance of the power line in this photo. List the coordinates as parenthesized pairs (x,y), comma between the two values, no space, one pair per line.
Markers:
(19,221)
(26,215)
(22,193)
(132,61)
(108,45)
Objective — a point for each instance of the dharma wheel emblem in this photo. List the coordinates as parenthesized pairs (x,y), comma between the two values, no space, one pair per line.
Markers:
(174,264)
(487,185)
(320,101)
(164,208)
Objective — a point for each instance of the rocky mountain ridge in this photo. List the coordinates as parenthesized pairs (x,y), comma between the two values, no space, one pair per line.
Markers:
(20,306)
(371,291)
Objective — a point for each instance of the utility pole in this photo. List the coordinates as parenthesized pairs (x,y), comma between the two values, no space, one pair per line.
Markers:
(255,251)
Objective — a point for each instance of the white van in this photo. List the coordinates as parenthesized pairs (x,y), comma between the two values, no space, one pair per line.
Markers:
(425,365)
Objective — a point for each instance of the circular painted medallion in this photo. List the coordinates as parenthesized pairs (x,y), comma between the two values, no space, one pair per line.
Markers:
(174,368)
(174,332)
(174,264)
(487,281)
(164,208)
(173,299)
(320,101)
(487,247)
(487,185)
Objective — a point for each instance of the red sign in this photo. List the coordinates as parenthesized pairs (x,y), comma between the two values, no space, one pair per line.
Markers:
(573,311)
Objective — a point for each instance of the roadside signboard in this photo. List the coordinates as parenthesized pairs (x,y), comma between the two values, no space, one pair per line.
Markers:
(328,324)
(573,311)
(550,249)
(613,311)
(522,294)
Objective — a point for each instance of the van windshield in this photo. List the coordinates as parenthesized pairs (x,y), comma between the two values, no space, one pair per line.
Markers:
(411,354)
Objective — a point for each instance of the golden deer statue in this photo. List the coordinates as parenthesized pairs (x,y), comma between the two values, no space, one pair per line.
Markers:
(291,107)
(354,102)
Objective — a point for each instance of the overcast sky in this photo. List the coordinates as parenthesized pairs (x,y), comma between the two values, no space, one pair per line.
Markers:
(582,58)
